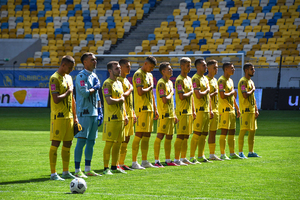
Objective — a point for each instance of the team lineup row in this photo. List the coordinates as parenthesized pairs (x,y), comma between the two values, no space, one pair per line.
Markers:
(203,105)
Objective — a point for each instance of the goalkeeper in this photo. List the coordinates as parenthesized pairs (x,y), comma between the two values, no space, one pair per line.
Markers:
(89,113)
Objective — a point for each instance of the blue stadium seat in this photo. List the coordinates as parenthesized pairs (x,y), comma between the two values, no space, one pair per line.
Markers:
(19,19)
(77,7)
(188,1)
(242,52)
(129,2)
(191,36)
(230,4)
(298,9)
(111,25)
(41,13)
(89,37)
(3,2)
(266,9)
(151,37)
(231,29)
(268,35)
(88,25)
(146,8)
(18,8)
(48,2)
(189,52)
(25,2)
(198,5)
(220,23)
(48,7)
(70,2)
(190,5)
(235,16)
(206,52)
(110,19)
(272,22)
(34,25)
(58,31)
(152,3)
(99,2)
(86,13)
(272,3)
(33,7)
(49,19)
(28,36)
(4,25)
(65,30)
(87,19)
(196,24)
(71,13)
(115,7)
(170,18)
(277,15)
(45,54)
(65,24)
(202,42)
(246,22)
(249,10)
(210,17)
(259,35)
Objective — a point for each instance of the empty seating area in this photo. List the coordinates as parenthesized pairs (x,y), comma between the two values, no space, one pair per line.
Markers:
(70,27)
(261,29)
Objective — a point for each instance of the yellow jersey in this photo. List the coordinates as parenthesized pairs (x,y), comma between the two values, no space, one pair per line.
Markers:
(114,89)
(213,85)
(129,100)
(248,104)
(163,89)
(59,84)
(142,103)
(226,104)
(183,85)
(201,83)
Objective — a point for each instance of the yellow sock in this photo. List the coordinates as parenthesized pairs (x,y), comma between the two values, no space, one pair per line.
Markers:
(106,152)
(241,140)
(231,143)
(177,147)
(167,148)
(145,147)
(53,158)
(115,153)
(222,143)
(184,148)
(123,152)
(156,148)
(251,141)
(65,155)
(201,145)
(212,148)
(135,148)
(194,144)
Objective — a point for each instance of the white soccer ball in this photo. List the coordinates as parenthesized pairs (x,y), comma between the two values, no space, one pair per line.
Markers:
(78,185)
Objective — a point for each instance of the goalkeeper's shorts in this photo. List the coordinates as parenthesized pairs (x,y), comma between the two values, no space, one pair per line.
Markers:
(89,127)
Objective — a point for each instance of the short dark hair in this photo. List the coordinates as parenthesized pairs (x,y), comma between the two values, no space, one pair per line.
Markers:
(111,63)
(198,61)
(123,61)
(163,66)
(247,66)
(151,60)
(85,55)
(67,59)
(184,60)
(212,62)
(226,64)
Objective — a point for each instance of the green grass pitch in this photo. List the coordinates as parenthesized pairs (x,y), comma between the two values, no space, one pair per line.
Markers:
(25,171)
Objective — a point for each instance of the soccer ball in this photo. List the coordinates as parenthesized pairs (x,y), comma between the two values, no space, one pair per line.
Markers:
(78,185)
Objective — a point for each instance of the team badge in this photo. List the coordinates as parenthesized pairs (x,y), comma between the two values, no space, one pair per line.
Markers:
(143,124)
(179,87)
(161,91)
(82,83)
(57,132)
(243,87)
(109,134)
(224,122)
(164,126)
(194,85)
(184,127)
(53,87)
(221,87)
(197,124)
(138,80)
(105,90)
(246,122)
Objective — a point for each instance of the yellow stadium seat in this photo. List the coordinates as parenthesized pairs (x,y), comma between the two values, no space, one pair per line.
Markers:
(256,29)
(206,5)
(252,16)
(265,47)
(176,12)
(243,16)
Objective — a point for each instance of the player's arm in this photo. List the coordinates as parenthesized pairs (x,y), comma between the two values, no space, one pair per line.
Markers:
(113,101)
(59,97)
(214,93)
(222,92)
(127,93)
(237,108)
(199,94)
(74,110)
(256,109)
(141,91)
(156,115)
(246,93)
(193,109)
(125,115)
(210,109)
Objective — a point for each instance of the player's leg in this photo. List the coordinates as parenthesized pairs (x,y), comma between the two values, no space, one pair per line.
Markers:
(231,136)
(194,144)
(106,157)
(167,147)
(214,122)
(115,157)
(224,126)
(123,150)
(157,142)
(77,157)
(244,127)
(202,139)
(177,147)
(184,147)
(253,127)
(53,158)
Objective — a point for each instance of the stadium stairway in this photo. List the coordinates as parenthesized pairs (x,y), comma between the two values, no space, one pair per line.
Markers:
(147,26)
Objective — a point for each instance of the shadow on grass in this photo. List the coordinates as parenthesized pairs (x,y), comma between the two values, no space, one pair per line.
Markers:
(26,181)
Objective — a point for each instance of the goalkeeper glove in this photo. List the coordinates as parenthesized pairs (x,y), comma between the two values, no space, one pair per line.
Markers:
(100,116)
(96,84)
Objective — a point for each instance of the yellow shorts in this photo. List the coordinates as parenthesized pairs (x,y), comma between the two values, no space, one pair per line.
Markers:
(144,122)
(62,129)
(227,121)
(165,126)
(129,128)
(214,122)
(184,125)
(201,122)
(248,122)
(113,131)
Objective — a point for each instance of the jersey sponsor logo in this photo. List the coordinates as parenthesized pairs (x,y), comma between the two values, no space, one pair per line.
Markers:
(105,90)
(82,83)
(221,87)
(243,87)
(53,87)
(161,91)
(138,80)
(179,87)
(194,85)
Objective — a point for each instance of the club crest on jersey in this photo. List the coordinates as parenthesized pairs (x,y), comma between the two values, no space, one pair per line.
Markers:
(194,85)
(105,90)
(82,83)
(179,87)
(243,87)
(53,87)
(221,87)
(138,80)
(161,91)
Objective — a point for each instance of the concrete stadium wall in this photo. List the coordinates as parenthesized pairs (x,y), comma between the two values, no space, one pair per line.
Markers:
(18,50)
